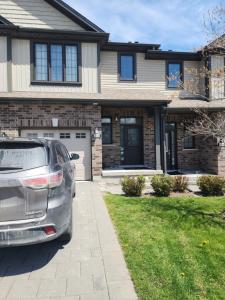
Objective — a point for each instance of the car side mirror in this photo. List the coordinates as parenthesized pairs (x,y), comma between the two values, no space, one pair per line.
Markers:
(74,156)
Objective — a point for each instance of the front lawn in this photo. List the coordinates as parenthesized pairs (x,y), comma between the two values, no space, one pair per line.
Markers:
(174,247)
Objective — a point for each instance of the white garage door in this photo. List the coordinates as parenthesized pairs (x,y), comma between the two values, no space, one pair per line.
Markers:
(76,141)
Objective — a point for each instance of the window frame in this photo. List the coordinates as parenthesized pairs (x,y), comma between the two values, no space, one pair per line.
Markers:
(111,130)
(49,81)
(178,62)
(193,142)
(133,54)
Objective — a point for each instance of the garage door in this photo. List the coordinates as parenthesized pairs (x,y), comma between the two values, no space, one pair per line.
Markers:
(76,141)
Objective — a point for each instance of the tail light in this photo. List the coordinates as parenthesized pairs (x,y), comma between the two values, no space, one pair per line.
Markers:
(49,230)
(43,182)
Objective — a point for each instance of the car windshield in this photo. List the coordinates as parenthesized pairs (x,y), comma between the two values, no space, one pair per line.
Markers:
(21,156)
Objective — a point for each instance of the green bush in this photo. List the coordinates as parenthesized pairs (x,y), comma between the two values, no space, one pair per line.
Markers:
(133,186)
(179,183)
(161,185)
(211,185)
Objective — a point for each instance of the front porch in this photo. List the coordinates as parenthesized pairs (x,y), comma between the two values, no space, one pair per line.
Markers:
(148,141)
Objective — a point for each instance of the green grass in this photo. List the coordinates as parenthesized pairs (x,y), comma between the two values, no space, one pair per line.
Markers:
(174,247)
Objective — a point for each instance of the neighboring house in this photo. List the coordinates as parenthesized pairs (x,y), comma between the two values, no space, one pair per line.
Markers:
(112,103)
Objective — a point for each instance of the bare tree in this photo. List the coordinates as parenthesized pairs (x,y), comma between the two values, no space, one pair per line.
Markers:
(200,79)
(206,124)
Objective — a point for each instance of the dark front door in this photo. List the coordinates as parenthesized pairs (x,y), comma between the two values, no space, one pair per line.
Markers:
(171,146)
(131,134)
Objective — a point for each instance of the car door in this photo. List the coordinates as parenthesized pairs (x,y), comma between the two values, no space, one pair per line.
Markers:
(64,161)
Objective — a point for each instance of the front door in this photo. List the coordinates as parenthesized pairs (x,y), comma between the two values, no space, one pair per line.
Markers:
(171,146)
(131,134)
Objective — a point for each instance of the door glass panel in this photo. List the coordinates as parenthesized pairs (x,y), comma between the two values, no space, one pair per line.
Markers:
(122,143)
(133,137)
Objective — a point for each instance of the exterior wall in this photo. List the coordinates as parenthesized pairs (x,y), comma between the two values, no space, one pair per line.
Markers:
(21,70)
(3,64)
(15,117)
(111,153)
(35,14)
(186,159)
(151,74)
(217,82)
(207,157)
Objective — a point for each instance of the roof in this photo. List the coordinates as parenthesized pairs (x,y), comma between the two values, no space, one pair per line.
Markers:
(131,97)
(139,47)
(4,21)
(188,104)
(159,54)
(74,15)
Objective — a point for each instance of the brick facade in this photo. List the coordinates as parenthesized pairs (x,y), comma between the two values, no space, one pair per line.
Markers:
(13,118)
(111,153)
(207,156)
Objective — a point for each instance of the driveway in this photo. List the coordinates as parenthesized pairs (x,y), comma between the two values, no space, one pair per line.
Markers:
(91,267)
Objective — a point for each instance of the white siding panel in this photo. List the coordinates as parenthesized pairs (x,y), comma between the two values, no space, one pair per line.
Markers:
(35,14)
(22,73)
(3,64)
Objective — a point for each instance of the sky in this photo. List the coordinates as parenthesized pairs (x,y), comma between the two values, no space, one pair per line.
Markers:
(175,24)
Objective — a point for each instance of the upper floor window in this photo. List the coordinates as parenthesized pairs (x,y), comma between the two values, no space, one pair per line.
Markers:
(57,63)
(127,67)
(174,74)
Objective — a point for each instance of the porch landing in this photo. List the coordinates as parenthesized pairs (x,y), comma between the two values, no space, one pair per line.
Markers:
(130,172)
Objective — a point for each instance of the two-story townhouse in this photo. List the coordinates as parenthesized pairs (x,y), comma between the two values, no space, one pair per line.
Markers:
(115,104)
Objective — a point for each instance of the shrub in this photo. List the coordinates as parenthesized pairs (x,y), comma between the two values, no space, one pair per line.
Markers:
(179,184)
(161,185)
(211,185)
(133,186)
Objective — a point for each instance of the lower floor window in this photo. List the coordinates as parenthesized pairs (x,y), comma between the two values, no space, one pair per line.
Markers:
(189,142)
(106,130)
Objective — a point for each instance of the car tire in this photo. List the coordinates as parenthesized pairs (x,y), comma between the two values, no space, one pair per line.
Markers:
(68,234)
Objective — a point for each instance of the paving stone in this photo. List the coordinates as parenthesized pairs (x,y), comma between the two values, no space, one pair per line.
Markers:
(95,296)
(46,272)
(117,272)
(68,270)
(122,290)
(79,286)
(24,288)
(100,283)
(90,267)
(52,288)
(5,287)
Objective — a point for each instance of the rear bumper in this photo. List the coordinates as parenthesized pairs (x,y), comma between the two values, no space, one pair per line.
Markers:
(27,232)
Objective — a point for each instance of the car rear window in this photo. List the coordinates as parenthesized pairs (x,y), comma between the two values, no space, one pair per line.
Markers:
(22,155)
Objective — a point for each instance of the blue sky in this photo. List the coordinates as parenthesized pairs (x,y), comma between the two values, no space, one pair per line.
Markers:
(175,24)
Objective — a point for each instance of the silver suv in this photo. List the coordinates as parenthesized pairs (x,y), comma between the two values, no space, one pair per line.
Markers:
(37,187)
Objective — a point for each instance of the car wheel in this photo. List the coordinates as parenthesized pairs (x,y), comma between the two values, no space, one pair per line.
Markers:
(68,234)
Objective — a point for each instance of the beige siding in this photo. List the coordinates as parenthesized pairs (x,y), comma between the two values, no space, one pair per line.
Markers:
(3,64)
(22,75)
(217,78)
(35,14)
(151,74)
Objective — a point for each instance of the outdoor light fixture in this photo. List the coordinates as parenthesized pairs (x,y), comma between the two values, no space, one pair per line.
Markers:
(55,122)
(116,118)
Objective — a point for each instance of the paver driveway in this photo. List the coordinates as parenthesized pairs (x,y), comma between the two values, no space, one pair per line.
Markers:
(91,267)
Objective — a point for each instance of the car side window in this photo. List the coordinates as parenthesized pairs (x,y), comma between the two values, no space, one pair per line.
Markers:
(59,154)
(65,153)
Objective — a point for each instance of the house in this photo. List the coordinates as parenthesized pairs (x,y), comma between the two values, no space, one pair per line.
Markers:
(113,103)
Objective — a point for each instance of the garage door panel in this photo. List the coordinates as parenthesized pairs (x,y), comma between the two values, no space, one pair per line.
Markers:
(76,141)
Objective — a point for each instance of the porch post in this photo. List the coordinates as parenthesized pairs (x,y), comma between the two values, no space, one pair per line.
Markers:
(158,155)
